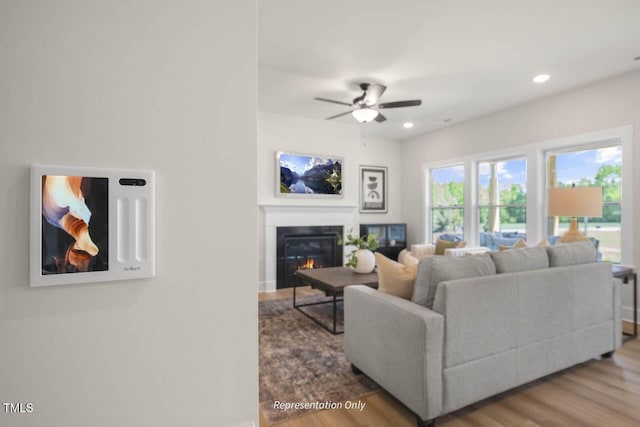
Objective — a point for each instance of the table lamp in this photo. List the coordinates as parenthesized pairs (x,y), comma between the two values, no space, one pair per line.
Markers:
(574,202)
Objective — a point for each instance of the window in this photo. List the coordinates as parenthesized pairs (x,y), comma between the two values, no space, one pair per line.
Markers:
(502,201)
(447,202)
(591,167)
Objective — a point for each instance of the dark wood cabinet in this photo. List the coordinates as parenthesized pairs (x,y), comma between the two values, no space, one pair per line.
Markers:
(392,237)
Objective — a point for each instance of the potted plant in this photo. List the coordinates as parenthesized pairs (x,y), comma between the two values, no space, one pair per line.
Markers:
(361,259)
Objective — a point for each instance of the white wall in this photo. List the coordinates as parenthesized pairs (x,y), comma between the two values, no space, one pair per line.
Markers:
(604,105)
(278,132)
(163,85)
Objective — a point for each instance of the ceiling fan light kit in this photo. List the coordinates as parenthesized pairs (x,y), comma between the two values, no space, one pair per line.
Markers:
(365,107)
(364,115)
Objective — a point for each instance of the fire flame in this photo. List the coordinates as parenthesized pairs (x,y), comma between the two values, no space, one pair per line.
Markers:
(309,264)
(63,206)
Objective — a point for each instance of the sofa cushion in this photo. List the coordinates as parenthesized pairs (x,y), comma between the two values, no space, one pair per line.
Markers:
(395,278)
(572,254)
(443,245)
(523,259)
(434,270)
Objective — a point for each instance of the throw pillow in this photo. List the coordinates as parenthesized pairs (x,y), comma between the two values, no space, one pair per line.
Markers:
(544,243)
(517,245)
(406,258)
(442,245)
(437,269)
(395,278)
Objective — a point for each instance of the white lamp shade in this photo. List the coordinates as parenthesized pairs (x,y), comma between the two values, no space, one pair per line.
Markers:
(364,115)
(575,201)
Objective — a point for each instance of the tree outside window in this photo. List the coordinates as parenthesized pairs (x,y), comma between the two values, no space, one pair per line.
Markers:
(502,196)
(447,202)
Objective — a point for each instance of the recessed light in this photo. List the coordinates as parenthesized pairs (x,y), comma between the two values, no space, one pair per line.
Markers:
(637,58)
(541,78)
(407,125)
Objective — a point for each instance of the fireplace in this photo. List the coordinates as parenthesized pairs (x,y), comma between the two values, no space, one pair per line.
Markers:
(305,247)
(343,217)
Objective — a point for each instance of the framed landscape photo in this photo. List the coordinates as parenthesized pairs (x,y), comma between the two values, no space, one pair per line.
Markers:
(308,175)
(373,189)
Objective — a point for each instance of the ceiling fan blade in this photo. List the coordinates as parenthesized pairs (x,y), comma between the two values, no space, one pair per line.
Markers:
(338,115)
(380,118)
(398,104)
(374,92)
(332,101)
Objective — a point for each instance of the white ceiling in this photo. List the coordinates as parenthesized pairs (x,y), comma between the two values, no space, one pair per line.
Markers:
(463,58)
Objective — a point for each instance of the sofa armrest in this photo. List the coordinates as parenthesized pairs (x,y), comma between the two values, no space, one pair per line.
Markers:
(424,250)
(398,344)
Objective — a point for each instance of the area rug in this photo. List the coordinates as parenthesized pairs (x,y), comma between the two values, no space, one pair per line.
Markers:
(302,363)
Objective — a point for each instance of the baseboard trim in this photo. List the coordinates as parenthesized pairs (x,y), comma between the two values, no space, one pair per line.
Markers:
(267,286)
(627,327)
(627,314)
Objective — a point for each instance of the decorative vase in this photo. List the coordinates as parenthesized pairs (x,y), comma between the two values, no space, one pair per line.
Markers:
(366,261)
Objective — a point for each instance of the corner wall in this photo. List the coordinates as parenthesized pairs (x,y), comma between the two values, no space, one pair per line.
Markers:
(162,85)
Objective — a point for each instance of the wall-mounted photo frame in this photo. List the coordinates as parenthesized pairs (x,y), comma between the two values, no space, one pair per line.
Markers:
(373,189)
(90,225)
(309,175)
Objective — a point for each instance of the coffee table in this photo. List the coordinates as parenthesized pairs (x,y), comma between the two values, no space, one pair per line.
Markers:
(331,281)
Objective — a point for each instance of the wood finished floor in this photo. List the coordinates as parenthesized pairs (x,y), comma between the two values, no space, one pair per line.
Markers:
(596,393)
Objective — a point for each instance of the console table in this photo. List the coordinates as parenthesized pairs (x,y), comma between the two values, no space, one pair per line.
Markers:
(332,281)
(626,273)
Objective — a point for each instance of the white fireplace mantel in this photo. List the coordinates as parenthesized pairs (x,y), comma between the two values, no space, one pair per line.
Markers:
(299,216)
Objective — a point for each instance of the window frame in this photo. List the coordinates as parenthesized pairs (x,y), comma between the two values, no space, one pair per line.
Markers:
(432,206)
(589,147)
(498,206)
(536,184)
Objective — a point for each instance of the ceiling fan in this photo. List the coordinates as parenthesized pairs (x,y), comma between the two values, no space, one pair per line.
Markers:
(365,107)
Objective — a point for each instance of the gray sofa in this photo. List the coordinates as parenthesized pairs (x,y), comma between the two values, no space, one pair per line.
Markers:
(482,324)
